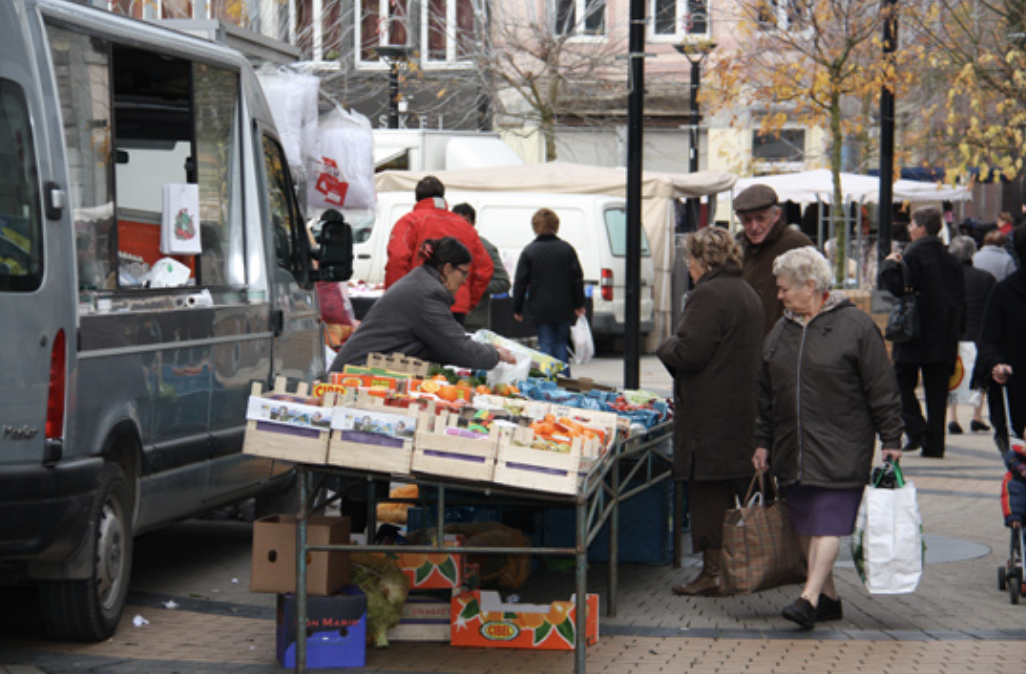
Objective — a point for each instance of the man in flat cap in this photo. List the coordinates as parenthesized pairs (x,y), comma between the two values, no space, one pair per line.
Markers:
(765,237)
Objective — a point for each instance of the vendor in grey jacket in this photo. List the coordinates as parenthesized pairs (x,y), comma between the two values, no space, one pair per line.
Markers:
(414,318)
(825,388)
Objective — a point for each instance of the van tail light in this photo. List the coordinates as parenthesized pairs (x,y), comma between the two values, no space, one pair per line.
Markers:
(606,283)
(58,387)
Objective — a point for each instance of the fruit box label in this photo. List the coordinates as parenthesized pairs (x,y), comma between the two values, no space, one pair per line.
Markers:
(438,570)
(285,410)
(481,619)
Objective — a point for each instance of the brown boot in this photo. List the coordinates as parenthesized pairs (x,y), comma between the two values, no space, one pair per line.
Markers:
(707,584)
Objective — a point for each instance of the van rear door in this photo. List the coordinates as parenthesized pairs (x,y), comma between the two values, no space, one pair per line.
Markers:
(36,288)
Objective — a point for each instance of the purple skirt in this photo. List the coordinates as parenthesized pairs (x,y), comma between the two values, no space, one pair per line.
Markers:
(817,511)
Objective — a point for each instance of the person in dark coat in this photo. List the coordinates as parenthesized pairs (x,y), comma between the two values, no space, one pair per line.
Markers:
(978,284)
(938,282)
(549,282)
(413,317)
(825,390)
(713,357)
(1001,349)
(766,235)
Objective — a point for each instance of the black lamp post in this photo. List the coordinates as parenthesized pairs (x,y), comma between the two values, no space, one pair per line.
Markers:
(394,56)
(695,52)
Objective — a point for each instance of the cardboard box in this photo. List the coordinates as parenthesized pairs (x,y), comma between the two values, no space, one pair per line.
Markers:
(336,629)
(274,555)
(433,571)
(481,619)
(423,619)
(288,426)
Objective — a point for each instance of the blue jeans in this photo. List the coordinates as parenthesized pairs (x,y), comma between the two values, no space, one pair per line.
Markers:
(553,338)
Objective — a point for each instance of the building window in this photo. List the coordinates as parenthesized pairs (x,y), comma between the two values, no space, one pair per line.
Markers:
(580,17)
(786,145)
(383,23)
(781,15)
(450,35)
(676,19)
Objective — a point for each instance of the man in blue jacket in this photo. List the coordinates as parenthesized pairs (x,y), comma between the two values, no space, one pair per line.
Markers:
(936,278)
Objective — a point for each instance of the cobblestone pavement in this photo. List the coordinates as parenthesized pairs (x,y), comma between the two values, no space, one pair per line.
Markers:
(957,621)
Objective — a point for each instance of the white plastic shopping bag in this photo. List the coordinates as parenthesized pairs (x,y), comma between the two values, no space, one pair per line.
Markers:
(959,389)
(887,545)
(504,373)
(583,345)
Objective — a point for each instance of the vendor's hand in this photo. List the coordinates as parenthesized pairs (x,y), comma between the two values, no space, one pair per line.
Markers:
(761,459)
(1001,372)
(506,356)
(580,312)
(894,257)
(519,318)
(891,455)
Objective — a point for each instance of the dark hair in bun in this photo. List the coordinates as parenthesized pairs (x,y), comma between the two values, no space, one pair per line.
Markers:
(436,253)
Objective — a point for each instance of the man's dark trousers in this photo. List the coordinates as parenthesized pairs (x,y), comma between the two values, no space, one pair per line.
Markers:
(935,386)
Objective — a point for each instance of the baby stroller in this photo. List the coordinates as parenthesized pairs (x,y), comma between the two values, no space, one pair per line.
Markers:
(1013,505)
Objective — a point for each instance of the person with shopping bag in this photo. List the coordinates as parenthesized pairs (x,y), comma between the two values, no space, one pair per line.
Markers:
(825,364)
(713,356)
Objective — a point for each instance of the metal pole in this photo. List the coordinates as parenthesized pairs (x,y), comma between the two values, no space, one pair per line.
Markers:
(886,205)
(635,118)
(393,95)
(693,202)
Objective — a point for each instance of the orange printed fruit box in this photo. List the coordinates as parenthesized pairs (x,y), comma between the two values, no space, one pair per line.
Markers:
(441,389)
(480,618)
(437,570)
(348,381)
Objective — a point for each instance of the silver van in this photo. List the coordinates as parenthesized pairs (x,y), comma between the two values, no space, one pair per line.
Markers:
(122,400)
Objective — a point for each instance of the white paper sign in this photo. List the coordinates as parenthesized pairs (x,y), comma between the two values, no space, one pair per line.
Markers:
(180,225)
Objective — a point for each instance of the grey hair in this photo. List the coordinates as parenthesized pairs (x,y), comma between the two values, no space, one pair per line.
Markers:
(803,265)
(963,248)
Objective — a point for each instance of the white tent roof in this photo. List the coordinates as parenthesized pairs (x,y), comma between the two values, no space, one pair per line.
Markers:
(809,186)
(563,178)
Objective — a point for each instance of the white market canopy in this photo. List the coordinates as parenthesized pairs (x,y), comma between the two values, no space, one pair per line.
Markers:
(813,186)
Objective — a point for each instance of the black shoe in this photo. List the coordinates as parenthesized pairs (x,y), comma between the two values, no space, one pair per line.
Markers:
(829,609)
(975,425)
(802,612)
(914,444)
(955,429)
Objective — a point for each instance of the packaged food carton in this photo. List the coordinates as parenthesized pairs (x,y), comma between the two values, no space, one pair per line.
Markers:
(481,618)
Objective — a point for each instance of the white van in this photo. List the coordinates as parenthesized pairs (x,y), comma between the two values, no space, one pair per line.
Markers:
(122,400)
(596,226)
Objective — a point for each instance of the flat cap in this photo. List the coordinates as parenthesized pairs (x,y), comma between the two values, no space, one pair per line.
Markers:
(755,198)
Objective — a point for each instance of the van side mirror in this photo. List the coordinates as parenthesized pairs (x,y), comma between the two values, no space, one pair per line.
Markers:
(335,253)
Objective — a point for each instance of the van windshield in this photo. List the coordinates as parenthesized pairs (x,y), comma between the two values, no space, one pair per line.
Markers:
(616,229)
(21,255)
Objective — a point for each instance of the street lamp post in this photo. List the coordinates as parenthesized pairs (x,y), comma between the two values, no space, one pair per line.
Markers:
(394,56)
(695,52)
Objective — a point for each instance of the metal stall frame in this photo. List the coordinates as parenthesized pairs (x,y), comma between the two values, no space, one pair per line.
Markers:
(648,456)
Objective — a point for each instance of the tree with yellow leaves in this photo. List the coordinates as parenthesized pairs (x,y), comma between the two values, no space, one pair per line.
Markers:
(978,47)
(816,63)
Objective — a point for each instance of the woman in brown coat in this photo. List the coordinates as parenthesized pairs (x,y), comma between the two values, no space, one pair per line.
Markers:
(714,357)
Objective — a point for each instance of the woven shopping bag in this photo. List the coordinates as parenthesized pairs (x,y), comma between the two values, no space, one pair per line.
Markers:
(760,549)
(887,545)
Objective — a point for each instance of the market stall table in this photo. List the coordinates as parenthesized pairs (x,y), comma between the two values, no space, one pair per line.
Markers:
(626,469)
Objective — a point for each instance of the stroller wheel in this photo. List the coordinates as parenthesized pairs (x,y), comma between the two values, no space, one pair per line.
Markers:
(1002,578)
(1013,592)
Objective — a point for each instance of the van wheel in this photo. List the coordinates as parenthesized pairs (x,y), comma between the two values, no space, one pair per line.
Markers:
(90,609)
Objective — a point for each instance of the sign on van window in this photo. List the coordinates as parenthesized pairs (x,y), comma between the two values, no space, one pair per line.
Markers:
(21,259)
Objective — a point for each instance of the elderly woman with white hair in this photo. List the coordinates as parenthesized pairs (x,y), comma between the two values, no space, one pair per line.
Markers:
(825,364)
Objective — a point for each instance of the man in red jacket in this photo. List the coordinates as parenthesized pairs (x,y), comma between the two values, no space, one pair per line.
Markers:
(432,219)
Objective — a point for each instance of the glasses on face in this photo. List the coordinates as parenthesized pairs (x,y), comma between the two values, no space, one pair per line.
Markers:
(463,270)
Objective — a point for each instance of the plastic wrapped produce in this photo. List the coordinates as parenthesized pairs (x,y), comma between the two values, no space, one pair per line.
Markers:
(386,588)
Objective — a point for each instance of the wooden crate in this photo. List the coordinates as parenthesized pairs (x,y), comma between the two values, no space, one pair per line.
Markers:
(397,362)
(441,448)
(519,465)
(391,457)
(612,423)
(532,409)
(271,431)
